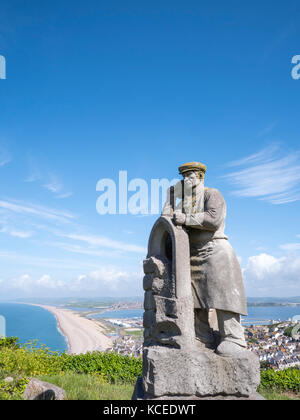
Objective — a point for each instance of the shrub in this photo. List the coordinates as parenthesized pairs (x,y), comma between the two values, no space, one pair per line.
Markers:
(13,390)
(111,366)
(31,360)
(281,380)
(9,342)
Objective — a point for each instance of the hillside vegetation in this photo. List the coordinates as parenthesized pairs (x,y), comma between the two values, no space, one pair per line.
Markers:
(106,376)
(111,375)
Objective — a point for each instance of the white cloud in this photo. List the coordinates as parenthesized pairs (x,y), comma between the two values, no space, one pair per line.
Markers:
(267,129)
(5,157)
(263,265)
(22,283)
(77,249)
(266,275)
(109,281)
(18,259)
(105,242)
(55,186)
(255,157)
(64,195)
(33,286)
(36,210)
(290,247)
(35,174)
(17,233)
(24,220)
(20,234)
(105,281)
(271,175)
(50,181)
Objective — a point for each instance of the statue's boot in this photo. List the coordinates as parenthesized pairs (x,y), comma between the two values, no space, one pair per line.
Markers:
(231,333)
(203,331)
(228,348)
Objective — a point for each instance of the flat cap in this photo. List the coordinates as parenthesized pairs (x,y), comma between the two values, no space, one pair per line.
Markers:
(192,166)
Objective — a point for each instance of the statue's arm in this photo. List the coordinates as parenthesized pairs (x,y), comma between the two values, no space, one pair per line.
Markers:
(213,215)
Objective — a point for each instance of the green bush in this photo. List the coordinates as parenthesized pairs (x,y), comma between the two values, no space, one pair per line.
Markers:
(281,380)
(13,390)
(30,360)
(111,366)
(9,342)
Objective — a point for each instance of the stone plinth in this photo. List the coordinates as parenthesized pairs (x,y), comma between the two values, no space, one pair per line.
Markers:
(197,374)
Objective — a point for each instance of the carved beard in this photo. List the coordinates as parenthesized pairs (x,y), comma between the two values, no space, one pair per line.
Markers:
(193,198)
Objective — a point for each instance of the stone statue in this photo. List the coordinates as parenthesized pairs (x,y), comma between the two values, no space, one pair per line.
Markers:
(216,274)
(192,273)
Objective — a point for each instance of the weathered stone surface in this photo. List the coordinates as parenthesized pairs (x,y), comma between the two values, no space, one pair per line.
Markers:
(149,302)
(39,390)
(169,313)
(154,265)
(147,281)
(149,319)
(166,306)
(139,394)
(157,285)
(200,373)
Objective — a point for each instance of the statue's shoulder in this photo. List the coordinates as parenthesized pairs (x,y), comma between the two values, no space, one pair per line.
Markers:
(213,194)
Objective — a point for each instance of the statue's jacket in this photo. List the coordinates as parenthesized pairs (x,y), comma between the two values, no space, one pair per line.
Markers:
(216,274)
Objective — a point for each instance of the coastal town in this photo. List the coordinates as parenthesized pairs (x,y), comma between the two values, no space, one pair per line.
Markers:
(127,339)
(275,344)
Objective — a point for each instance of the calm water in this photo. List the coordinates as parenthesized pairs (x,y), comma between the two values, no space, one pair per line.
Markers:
(122,313)
(259,313)
(32,322)
(272,312)
(84,309)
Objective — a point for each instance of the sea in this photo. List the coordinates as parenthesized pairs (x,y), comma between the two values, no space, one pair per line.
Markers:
(33,322)
(256,315)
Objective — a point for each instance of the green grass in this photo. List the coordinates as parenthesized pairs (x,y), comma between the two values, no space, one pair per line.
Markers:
(137,333)
(273,395)
(88,387)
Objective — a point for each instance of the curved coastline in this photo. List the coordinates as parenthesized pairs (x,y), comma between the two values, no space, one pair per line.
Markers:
(82,335)
(60,330)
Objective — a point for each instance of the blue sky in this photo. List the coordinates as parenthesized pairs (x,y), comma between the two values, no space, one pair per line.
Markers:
(96,87)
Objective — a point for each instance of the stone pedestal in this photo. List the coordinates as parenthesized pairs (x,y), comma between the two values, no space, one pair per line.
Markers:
(197,374)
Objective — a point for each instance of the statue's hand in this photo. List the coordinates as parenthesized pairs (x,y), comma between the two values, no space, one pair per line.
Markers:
(179,217)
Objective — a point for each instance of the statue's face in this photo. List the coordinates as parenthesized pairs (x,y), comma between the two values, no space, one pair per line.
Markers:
(191,178)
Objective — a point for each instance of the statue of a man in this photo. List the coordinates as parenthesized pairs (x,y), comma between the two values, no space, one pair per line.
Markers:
(215,271)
